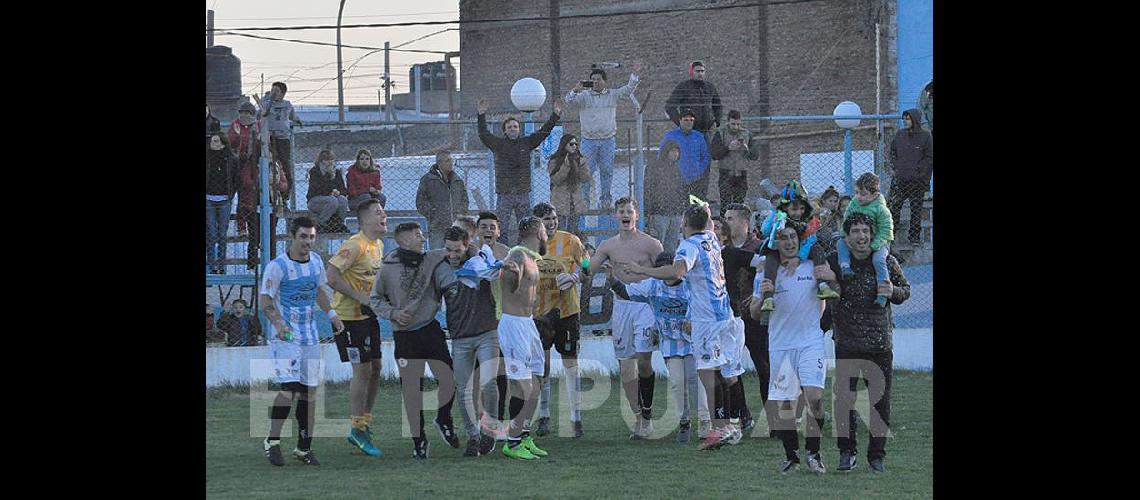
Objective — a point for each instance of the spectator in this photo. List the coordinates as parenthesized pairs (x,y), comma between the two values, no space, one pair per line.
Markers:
(843,202)
(209,317)
(599,126)
(734,147)
(665,200)
(221,185)
(326,196)
(251,189)
(863,347)
(245,140)
(213,125)
(364,180)
(512,165)
(215,336)
(832,220)
(281,114)
(912,163)
(441,197)
(241,327)
(569,178)
(698,95)
(694,160)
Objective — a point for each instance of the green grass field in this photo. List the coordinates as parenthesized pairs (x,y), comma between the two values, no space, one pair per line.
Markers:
(602,464)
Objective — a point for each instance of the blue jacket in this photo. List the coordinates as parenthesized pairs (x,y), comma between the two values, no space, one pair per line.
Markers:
(694,158)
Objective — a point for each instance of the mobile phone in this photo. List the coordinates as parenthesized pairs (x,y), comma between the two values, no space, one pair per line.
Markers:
(588,84)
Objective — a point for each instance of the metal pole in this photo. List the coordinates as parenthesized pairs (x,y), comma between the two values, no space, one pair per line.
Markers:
(528,128)
(263,211)
(640,165)
(451,113)
(878,106)
(387,84)
(339,71)
(847,180)
(419,87)
(209,28)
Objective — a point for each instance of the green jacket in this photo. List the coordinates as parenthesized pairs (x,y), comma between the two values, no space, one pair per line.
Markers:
(877,210)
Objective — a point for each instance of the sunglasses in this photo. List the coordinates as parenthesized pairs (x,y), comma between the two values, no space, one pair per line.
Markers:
(571,144)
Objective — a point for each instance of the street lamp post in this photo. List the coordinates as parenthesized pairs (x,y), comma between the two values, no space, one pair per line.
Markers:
(847,109)
(528,94)
(339,71)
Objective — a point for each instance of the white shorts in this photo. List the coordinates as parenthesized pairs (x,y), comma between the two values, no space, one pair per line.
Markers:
(521,346)
(293,362)
(790,369)
(734,350)
(712,342)
(634,328)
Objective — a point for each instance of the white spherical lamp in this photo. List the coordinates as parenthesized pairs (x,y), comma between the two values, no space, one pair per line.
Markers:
(847,108)
(528,94)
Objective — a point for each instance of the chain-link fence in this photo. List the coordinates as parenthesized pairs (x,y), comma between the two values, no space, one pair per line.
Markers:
(810,151)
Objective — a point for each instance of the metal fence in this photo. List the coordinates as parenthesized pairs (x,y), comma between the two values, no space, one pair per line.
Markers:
(811,150)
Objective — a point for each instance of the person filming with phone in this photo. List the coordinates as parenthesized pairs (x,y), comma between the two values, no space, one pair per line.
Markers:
(597,107)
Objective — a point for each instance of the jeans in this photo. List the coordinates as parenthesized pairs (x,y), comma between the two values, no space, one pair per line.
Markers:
(685,387)
(666,228)
(328,207)
(756,340)
(464,352)
(878,259)
(283,151)
(512,208)
(913,190)
(875,369)
(253,250)
(217,224)
(599,153)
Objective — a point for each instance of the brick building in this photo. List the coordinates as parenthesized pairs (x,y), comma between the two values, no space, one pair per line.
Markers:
(766,59)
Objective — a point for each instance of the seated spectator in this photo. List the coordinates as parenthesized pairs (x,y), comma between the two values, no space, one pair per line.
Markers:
(364,180)
(326,196)
(241,327)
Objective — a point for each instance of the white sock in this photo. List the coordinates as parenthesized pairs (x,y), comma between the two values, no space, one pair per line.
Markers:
(544,399)
(574,393)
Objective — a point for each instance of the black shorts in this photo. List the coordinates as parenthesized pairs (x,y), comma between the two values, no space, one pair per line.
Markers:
(562,333)
(363,341)
(423,344)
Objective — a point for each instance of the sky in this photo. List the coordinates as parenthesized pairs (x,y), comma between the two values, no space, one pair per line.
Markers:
(310,70)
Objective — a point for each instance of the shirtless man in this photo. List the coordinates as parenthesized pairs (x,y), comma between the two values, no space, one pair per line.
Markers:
(518,336)
(633,323)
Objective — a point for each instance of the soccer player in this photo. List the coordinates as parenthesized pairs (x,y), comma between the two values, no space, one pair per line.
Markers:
(408,292)
(291,291)
(557,313)
(670,302)
(795,348)
(518,336)
(489,231)
(352,272)
(632,322)
(717,334)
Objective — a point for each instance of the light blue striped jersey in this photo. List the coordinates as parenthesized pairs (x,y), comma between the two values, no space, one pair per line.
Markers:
(705,277)
(293,286)
(670,305)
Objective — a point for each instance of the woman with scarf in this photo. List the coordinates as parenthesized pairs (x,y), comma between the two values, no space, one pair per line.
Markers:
(221,185)
(327,200)
(568,171)
(364,180)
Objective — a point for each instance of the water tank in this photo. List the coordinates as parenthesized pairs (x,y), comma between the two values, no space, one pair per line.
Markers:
(223,82)
(433,76)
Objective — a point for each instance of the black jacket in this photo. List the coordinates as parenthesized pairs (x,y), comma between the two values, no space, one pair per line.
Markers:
(912,151)
(322,185)
(222,172)
(512,156)
(470,311)
(702,97)
(859,324)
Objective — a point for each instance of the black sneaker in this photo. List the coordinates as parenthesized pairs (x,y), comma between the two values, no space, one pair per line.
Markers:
(486,444)
(306,456)
(847,461)
(876,465)
(815,463)
(747,424)
(684,431)
(420,449)
(447,432)
(543,426)
(790,466)
(273,453)
(578,432)
(472,448)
